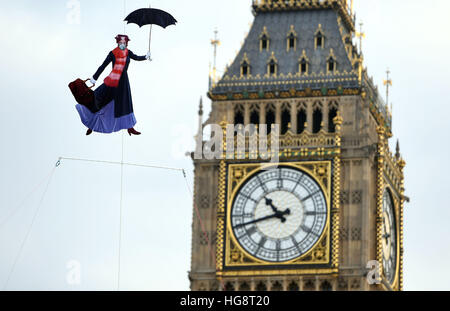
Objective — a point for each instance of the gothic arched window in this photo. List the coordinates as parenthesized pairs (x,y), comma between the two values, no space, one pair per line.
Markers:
(245,66)
(331,65)
(272,65)
(245,69)
(291,39)
(277,287)
(301,120)
(270,119)
(331,62)
(309,285)
(285,119)
(261,286)
(319,40)
(317,120)
(244,286)
(293,286)
(272,68)
(254,117)
(229,287)
(291,42)
(238,116)
(332,113)
(326,286)
(303,66)
(264,41)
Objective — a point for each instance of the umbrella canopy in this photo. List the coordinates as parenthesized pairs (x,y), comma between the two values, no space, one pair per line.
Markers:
(150,16)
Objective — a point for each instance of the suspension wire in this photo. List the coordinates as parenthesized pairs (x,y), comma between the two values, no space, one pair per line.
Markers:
(124,16)
(120,218)
(121,163)
(124,163)
(18,206)
(29,228)
(202,227)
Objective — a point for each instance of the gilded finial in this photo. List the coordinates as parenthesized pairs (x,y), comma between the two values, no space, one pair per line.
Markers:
(397,150)
(338,119)
(361,35)
(223,123)
(215,43)
(388,83)
(381,130)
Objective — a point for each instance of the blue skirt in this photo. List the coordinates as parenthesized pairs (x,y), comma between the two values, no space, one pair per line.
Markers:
(107,118)
(104,120)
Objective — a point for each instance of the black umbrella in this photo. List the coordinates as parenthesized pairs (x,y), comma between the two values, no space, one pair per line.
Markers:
(150,17)
(158,17)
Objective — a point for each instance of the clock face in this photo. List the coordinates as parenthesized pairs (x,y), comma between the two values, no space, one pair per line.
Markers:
(389,238)
(279,214)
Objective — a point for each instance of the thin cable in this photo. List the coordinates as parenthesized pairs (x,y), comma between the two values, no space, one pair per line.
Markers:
(202,227)
(18,206)
(124,16)
(120,218)
(123,163)
(29,229)
(120,221)
(151,166)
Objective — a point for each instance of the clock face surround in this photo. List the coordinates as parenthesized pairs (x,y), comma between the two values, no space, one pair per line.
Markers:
(389,238)
(278,215)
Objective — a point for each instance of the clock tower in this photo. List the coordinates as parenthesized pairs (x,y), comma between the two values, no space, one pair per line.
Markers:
(318,205)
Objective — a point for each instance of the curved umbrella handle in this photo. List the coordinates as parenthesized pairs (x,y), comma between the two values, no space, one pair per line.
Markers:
(91,85)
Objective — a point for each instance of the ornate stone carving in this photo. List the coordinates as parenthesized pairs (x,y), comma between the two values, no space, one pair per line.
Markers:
(356,197)
(356,234)
(204,201)
(345,197)
(343,234)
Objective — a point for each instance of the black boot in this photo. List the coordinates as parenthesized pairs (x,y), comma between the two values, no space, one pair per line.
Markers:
(133,131)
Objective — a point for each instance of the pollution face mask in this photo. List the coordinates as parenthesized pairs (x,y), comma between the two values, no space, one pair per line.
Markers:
(122,46)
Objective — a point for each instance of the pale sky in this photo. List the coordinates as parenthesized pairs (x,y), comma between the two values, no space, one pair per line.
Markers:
(79,217)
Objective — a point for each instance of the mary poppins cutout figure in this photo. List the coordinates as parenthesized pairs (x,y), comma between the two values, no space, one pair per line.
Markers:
(113,98)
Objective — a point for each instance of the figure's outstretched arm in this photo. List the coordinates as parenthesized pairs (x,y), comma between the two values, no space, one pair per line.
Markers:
(138,58)
(100,69)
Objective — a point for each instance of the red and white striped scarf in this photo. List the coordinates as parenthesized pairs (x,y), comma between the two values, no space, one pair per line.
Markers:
(121,59)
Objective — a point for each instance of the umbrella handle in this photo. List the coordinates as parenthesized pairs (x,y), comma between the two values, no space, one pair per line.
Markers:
(150,38)
(91,85)
(150,35)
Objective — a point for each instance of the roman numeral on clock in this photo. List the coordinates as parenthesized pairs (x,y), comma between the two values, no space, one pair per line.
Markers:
(278,248)
(249,198)
(261,243)
(314,213)
(279,180)
(298,182)
(310,196)
(308,230)
(262,184)
(296,244)
(251,230)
